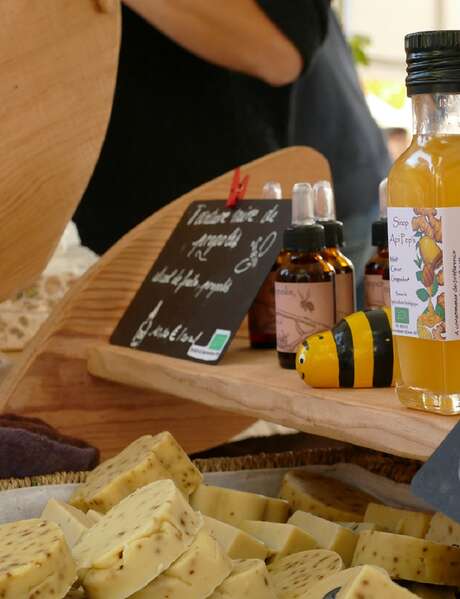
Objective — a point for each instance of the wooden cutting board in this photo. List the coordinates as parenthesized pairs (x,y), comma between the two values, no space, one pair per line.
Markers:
(58,63)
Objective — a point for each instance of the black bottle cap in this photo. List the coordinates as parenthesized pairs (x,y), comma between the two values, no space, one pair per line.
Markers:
(380,233)
(304,238)
(333,231)
(433,62)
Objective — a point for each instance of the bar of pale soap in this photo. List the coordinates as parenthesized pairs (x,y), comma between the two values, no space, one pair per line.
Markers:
(148,459)
(236,543)
(233,507)
(195,575)
(443,530)
(71,521)
(294,575)
(35,561)
(281,539)
(249,580)
(401,522)
(409,558)
(328,535)
(373,583)
(136,541)
(324,497)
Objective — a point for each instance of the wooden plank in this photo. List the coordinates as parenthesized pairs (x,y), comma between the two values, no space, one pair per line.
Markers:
(251,383)
(51,379)
(58,64)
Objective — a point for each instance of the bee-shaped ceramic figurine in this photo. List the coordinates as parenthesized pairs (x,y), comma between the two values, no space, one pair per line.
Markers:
(357,352)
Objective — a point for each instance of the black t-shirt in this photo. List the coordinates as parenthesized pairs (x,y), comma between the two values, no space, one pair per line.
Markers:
(178,121)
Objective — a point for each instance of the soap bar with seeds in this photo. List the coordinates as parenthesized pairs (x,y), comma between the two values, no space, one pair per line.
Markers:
(35,561)
(136,541)
(144,461)
(373,583)
(235,506)
(71,521)
(236,543)
(443,530)
(401,522)
(196,574)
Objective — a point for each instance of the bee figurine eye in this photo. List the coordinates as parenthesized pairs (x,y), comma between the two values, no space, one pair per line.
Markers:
(301,359)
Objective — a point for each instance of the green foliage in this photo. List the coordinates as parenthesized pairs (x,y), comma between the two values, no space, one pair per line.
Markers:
(359,44)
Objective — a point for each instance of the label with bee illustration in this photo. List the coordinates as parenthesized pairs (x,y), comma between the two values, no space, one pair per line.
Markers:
(424,248)
(302,309)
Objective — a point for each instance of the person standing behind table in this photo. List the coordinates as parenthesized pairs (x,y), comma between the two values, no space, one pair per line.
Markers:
(330,113)
(203,85)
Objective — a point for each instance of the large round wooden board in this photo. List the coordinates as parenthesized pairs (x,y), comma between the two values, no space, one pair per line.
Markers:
(58,63)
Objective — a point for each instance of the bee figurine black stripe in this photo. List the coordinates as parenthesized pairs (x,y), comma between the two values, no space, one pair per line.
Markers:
(358,352)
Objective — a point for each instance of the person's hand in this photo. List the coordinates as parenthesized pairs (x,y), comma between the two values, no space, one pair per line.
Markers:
(107,6)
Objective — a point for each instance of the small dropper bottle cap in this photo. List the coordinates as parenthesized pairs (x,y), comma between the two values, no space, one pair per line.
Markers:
(272,191)
(304,235)
(380,227)
(325,214)
(302,204)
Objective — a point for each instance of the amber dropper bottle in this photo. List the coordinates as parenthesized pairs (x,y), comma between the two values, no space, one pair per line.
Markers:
(376,275)
(345,293)
(262,314)
(304,287)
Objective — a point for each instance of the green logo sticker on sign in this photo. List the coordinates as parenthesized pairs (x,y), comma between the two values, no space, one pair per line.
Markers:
(402,315)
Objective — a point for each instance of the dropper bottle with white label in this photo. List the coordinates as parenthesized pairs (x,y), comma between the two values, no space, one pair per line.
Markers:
(376,286)
(304,287)
(345,297)
(262,314)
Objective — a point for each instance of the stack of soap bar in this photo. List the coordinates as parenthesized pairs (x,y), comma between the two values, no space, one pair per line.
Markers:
(281,539)
(443,530)
(249,580)
(235,506)
(236,543)
(409,558)
(328,535)
(324,497)
(373,583)
(196,574)
(401,522)
(146,460)
(296,574)
(72,522)
(136,541)
(427,591)
(35,561)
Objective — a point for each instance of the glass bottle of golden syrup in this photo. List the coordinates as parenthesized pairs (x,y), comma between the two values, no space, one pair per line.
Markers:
(424,220)
(375,287)
(262,314)
(304,287)
(345,294)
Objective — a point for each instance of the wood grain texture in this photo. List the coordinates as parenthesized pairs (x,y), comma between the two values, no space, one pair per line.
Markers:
(251,383)
(58,63)
(52,381)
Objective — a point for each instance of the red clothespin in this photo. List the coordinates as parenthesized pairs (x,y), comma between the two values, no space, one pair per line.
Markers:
(237,189)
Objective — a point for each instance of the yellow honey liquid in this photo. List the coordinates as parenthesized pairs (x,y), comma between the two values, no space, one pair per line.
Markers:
(428,175)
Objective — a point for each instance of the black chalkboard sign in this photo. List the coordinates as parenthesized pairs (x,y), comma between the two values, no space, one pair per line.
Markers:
(438,481)
(204,281)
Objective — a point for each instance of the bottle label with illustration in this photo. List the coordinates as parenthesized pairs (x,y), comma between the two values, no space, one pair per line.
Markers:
(344,294)
(373,292)
(302,309)
(262,315)
(424,247)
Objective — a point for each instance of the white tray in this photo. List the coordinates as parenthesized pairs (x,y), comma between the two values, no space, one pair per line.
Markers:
(19,504)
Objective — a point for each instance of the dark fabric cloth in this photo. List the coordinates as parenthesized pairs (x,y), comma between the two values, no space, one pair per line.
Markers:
(30,447)
(179,121)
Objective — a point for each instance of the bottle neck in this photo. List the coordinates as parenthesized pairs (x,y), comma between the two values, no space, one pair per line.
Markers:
(436,114)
